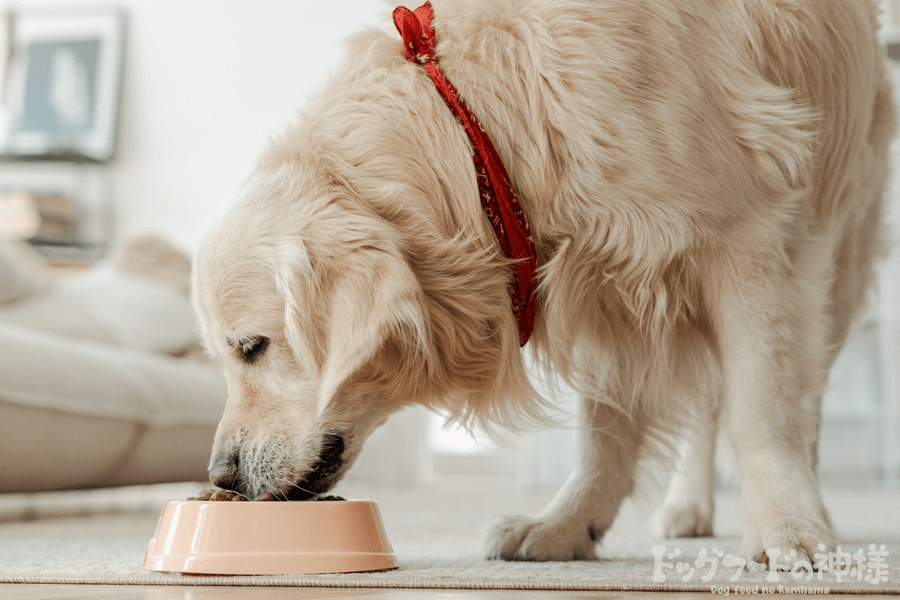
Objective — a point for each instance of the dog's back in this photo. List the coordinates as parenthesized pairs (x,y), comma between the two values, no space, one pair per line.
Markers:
(644,134)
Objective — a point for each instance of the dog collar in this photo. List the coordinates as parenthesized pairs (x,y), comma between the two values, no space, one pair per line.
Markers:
(498,198)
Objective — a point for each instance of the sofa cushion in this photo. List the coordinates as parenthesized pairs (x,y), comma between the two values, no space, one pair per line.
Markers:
(78,413)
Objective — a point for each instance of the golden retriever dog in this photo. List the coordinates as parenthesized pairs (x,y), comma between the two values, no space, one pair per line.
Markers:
(703,183)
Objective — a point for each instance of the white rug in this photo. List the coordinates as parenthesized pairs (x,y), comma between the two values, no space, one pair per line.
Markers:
(435,537)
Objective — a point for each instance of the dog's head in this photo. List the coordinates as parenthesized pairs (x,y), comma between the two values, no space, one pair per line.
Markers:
(339,289)
(313,310)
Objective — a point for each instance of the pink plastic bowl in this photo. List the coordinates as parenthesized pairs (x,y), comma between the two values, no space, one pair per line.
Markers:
(269,538)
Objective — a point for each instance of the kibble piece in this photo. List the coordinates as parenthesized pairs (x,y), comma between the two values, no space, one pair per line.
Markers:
(217,495)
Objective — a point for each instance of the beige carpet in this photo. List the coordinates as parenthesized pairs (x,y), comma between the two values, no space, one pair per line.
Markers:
(100,538)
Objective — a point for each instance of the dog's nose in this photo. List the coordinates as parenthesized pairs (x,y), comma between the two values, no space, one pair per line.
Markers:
(224,473)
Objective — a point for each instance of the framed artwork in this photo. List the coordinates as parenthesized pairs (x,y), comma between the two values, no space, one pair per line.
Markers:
(63,82)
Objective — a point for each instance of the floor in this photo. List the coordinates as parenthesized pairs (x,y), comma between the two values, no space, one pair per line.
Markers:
(50,505)
(101,592)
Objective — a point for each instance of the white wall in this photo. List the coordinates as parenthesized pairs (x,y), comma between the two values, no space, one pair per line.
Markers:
(206,84)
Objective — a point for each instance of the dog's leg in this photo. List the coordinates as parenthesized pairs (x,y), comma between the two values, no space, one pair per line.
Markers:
(583,510)
(772,349)
(687,510)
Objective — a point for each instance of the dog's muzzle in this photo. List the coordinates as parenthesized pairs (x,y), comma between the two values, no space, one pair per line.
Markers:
(225,472)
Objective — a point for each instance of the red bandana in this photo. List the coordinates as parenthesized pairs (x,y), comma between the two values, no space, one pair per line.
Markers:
(498,198)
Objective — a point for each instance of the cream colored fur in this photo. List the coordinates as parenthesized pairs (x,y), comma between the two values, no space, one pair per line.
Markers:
(703,180)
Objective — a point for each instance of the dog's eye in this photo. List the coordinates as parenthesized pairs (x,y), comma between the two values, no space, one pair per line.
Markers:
(252,348)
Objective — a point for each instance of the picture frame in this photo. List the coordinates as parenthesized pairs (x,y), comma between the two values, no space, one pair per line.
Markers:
(63,82)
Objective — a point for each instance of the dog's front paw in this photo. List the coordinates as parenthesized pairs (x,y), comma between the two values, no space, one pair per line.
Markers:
(685,518)
(788,543)
(522,538)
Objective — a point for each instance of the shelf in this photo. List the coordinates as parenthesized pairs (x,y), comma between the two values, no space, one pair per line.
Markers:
(54,157)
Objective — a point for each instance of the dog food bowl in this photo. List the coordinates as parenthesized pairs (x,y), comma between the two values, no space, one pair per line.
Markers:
(269,538)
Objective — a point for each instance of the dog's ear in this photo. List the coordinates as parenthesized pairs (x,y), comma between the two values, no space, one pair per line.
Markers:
(341,307)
